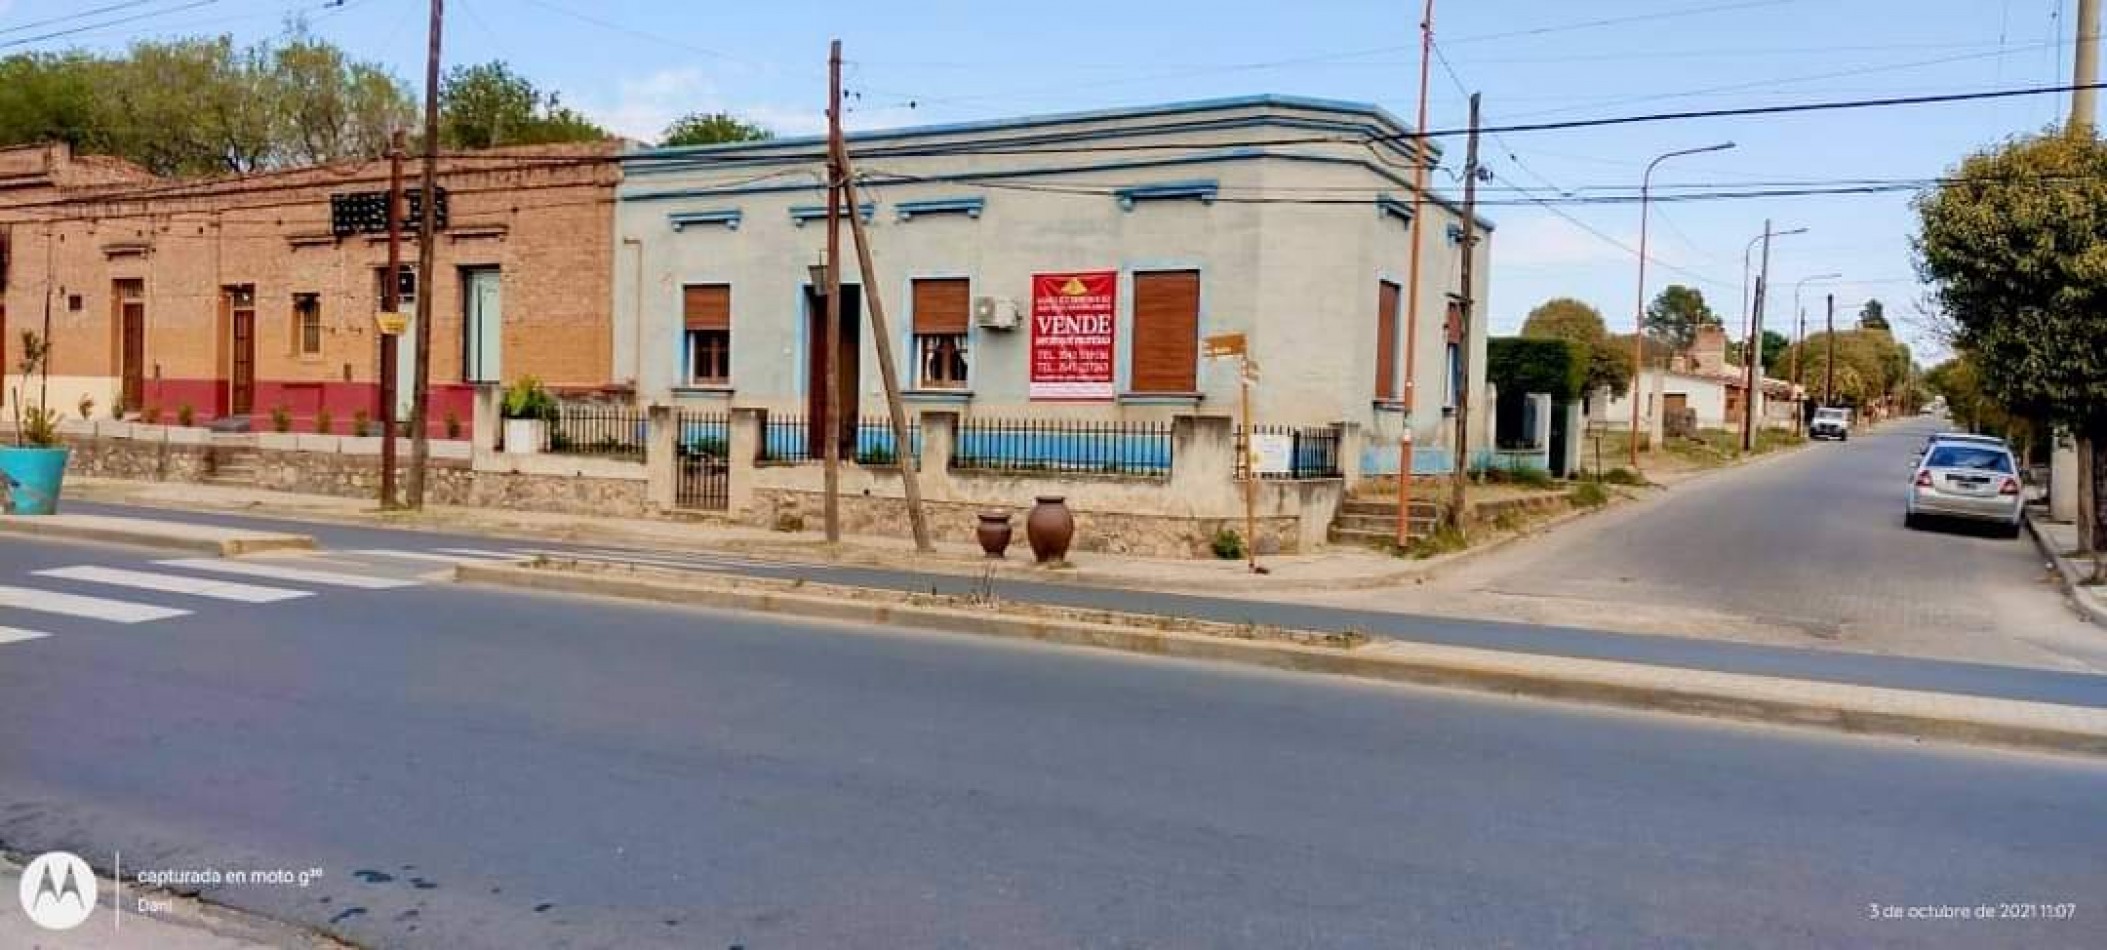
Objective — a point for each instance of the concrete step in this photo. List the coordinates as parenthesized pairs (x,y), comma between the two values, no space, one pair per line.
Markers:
(1353,507)
(1373,539)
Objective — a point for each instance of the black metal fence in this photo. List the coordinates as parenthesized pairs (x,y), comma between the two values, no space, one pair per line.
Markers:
(703,441)
(1294,451)
(786,439)
(789,440)
(596,429)
(1061,445)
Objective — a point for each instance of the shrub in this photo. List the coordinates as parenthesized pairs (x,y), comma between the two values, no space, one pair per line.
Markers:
(1528,476)
(1623,476)
(361,423)
(186,416)
(37,427)
(453,424)
(1521,366)
(152,416)
(527,398)
(117,409)
(877,455)
(1228,545)
(1589,495)
(281,419)
(324,425)
(86,406)
(1444,539)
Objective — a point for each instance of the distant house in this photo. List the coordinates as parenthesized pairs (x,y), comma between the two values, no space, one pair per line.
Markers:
(1704,382)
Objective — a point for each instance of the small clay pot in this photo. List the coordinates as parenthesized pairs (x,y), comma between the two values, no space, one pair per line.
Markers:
(1050,528)
(994,532)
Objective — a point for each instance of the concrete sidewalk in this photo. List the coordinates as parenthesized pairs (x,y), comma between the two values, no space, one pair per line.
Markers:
(1334,568)
(145,532)
(2057,541)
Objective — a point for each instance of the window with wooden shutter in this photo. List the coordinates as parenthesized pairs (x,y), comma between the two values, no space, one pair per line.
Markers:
(1386,303)
(706,311)
(942,310)
(1166,349)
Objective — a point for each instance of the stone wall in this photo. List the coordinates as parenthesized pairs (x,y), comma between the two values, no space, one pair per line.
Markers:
(1107,532)
(140,460)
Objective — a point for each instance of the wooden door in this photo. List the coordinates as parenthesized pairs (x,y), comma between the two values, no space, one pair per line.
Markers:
(132,352)
(851,356)
(241,395)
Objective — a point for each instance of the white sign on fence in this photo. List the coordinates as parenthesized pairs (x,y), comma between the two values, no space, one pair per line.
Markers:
(1273,453)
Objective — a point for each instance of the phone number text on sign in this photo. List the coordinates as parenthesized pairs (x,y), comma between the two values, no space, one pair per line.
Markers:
(1074,325)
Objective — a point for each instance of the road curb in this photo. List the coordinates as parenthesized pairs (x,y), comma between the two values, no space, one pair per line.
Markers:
(1760,699)
(144,532)
(2084,600)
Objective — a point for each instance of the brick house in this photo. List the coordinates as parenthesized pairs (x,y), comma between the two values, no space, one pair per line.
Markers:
(238,296)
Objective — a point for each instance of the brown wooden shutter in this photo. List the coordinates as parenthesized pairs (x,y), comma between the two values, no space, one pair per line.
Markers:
(1386,301)
(1166,332)
(942,306)
(707,306)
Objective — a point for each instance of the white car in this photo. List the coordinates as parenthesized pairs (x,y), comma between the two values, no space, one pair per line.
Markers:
(1969,481)
(1830,423)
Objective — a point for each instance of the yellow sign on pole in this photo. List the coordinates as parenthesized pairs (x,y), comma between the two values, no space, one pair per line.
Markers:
(392,323)
(1222,345)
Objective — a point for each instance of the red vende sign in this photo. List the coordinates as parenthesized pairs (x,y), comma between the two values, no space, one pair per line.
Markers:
(1074,319)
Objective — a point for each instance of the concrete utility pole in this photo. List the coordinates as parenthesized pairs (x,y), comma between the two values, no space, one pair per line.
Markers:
(1829,384)
(1753,382)
(830,428)
(1414,229)
(881,335)
(1638,320)
(1468,301)
(427,228)
(391,302)
(2085,101)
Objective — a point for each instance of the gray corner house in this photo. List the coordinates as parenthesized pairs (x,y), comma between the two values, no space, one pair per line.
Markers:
(1066,267)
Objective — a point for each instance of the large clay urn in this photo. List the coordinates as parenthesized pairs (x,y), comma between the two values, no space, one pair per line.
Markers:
(994,532)
(1050,528)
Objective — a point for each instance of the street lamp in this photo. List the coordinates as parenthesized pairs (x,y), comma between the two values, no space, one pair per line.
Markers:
(1638,320)
(1747,315)
(1800,337)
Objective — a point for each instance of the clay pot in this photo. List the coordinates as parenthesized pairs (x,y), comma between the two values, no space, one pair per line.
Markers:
(994,532)
(1050,528)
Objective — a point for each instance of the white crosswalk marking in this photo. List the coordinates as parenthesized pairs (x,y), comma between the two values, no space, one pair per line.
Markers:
(96,608)
(17,635)
(286,572)
(176,584)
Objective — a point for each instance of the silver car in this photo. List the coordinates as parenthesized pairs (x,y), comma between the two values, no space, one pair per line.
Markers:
(1969,481)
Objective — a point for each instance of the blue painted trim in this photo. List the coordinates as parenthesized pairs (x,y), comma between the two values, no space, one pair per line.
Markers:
(970,207)
(729,217)
(1226,155)
(1387,206)
(799,214)
(1204,189)
(1390,124)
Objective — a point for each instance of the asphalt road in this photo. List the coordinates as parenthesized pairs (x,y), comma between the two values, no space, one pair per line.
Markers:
(1811,546)
(473,768)
(1371,612)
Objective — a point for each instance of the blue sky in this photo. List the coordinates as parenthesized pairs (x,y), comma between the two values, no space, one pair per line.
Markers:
(946,60)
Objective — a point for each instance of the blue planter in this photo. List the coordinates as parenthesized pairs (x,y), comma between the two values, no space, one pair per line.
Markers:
(32,478)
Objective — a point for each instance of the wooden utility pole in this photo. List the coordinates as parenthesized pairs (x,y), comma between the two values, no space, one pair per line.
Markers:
(390,303)
(427,241)
(1414,229)
(1466,302)
(2084,110)
(1754,357)
(882,336)
(830,429)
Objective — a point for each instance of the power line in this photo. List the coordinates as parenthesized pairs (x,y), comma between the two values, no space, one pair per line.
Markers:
(24,41)
(1619,21)
(50,21)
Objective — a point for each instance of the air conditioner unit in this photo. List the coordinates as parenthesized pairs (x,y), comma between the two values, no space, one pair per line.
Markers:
(995,313)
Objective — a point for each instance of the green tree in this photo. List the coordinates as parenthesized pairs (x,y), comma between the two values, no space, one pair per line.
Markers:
(330,108)
(1775,348)
(1872,368)
(487,105)
(1873,316)
(1564,318)
(2014,244)
(714,128)
(1676,315)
